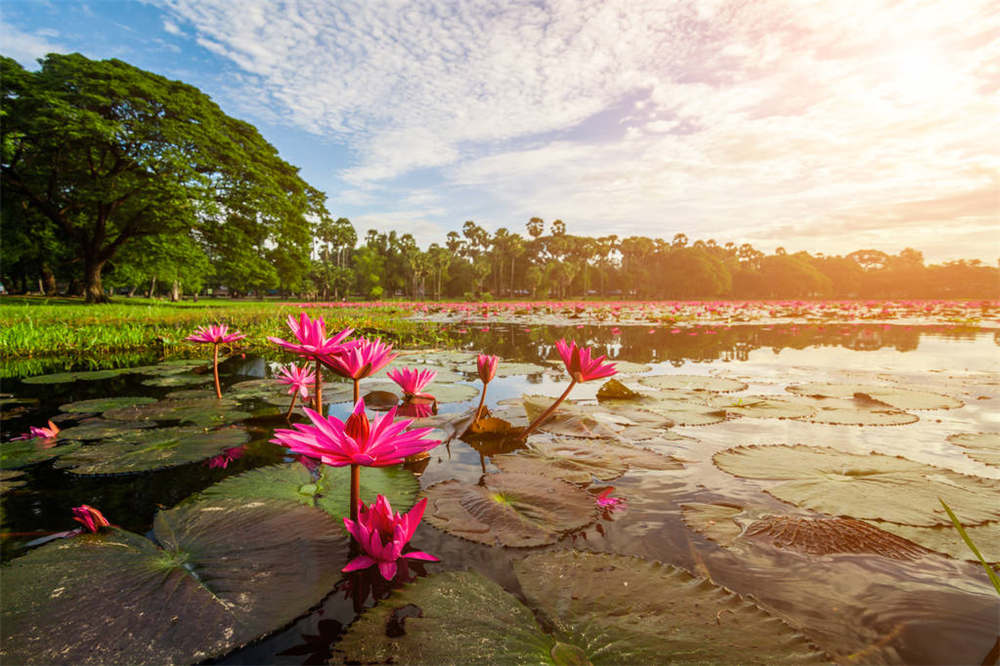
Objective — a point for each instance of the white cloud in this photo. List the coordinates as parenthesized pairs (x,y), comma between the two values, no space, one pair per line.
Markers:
(172,28)
(738,120)
(27,48)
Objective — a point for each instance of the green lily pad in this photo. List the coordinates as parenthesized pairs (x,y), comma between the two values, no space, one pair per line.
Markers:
(104,404)
(182,379)
(330,491)
(101,429)
(570,419)
(205,412)
(615,390)
(257,388)
(197,394)
(459,613)
(21,453)
(582,461)
(894,396)
(693,383)
(622,610)
(453,392)
(872,486)
(859,410)
(763,407)
(519,510)
(147,450)
(515,369)
(68,377)
(982,447)
(946,539)
(221,579)
(11,479)
(676,407)
(630,368)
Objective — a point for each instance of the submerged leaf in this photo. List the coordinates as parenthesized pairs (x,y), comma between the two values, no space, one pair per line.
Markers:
(221,579)
(872,486)
(518,510)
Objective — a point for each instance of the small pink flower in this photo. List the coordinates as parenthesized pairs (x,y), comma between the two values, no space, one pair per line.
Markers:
(487,367)
(90,517)
(605,501)
(216,334)
(363,359)
(411,380)
(224,459)
(580,365)
(312,341)
(382,535)
(299,379)
(35,432)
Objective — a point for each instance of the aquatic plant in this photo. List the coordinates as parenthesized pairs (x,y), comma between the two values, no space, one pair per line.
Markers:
(298,379)
(411,380)
(35,432)
(362,359)
(356,442)
(581,368)
(994,578)
(486,366)
(605,501)
(314,345)
(215,335)
(382,535)
(90,518)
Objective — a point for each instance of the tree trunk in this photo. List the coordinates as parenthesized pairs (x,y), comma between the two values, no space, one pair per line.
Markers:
(94,290)
(132,289)
(152,287)
(175,291)
(48,280)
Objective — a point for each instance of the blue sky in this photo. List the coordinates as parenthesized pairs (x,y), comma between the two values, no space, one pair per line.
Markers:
(826,126)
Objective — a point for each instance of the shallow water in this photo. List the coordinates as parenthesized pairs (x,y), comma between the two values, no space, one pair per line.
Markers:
(858,608)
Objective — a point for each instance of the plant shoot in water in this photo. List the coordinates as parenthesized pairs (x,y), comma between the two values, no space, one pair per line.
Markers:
(314,345)
(215,335)
(298,379)
(486,365)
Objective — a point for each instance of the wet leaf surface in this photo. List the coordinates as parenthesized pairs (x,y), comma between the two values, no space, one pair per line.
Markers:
(205,412)
(693,383)
(102,429)
(894,396)
(983,447)
(16,454)
(581,461)
(98,405)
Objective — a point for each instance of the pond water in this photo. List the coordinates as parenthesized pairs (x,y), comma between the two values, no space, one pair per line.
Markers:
(715,511)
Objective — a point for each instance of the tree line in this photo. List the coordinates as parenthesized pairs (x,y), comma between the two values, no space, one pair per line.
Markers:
(115,178)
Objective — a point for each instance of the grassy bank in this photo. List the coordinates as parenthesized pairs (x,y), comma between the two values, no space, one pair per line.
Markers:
(45,327)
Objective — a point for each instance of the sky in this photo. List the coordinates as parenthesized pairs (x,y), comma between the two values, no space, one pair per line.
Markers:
(821,126)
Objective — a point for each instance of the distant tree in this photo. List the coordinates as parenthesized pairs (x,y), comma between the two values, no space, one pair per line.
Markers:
(536,227)
(558,228)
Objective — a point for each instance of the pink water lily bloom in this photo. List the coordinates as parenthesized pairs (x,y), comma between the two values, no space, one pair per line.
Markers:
(356,441)
(216,334)
(90,517)
(486,365)
(34,432)
(411,380)
(298,379)
(382,535)
(580,365)
(312,342)
(361,360)
(605,501)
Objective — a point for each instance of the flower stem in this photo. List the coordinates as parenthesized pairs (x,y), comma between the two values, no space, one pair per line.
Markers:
(544,415)
(288,416)
(479,409)
(318,392)
(215,370)
(357,390)
(355,490)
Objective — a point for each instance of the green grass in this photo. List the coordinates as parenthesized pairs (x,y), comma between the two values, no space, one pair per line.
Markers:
(39,328)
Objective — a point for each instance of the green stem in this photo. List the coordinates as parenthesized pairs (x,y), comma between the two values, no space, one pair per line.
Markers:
(544,415)
(215,370)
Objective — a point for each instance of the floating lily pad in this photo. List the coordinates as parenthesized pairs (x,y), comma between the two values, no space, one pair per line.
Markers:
(982,447)
(103,404)
(615,390)
(569,419)
(676,407)
(197,394)
(146,450)
(380,400)
(256,388)
(518,510)
(221,579)
(182,379)
(457,613)
(630,368)
(859,410)
(68,377)
(330,491)
(454,392)
(514,369)
(101,429)
(946,539)
(623,610)
(489,427)
(693,383)
(21,453)
(894,396)
(582,461)
(198,411)
(10,479)
(872,486)
(763,407)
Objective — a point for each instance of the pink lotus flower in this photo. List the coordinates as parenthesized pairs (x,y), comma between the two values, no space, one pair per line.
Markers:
(90,517)
(604,500)
(411,380)
(382,535)
(487,367)
(216,334)
(363,359)
(580,365)
(227,457)
(35,432)
(297,378)
(314,345)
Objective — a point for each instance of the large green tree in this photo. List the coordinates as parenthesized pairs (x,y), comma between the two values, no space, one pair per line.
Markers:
(108,154)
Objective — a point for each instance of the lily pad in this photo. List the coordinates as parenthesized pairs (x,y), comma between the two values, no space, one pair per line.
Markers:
(519,510)
(693,383)
(146,450)
(196,394)
(221,579)
(946,539)
(623,610)
(330,491)
(615,390)
(21,453)
(582,461)
(453,392)
(198,411)
(67,377)
(894,396)
(872,486)
(11,479)
(763,407)
(101,429)
(982,447)
(380,400)
(256,388)
(514,369)
(104,404)
(859,410)
(182,379)
(677,407)
(630,368)
(569,419)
